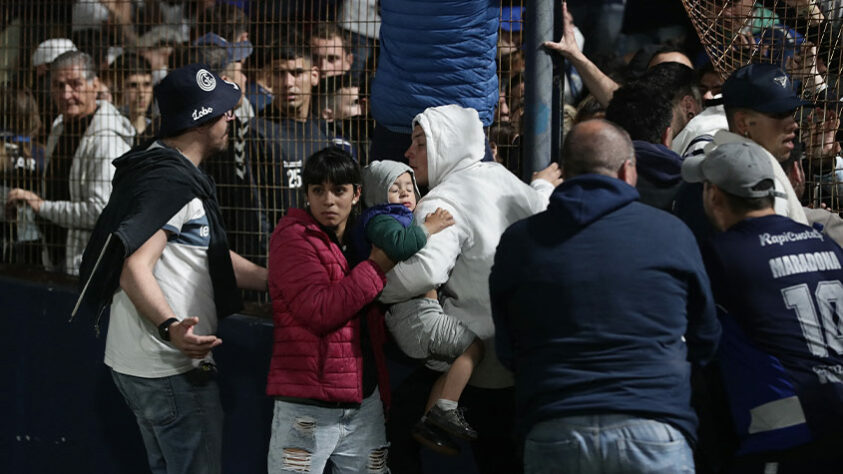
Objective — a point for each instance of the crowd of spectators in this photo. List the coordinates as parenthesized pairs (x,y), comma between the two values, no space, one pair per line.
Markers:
(367,67)
(596,312)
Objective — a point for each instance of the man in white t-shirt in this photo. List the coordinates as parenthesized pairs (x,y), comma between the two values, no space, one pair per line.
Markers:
(179,276)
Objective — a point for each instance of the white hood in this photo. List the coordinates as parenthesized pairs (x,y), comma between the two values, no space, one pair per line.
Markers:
(484,199)
(454,137)
(706,123)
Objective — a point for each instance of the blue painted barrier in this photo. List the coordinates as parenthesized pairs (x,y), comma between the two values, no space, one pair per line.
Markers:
(63,414)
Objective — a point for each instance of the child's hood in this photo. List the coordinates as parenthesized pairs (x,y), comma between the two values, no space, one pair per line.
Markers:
(379,176)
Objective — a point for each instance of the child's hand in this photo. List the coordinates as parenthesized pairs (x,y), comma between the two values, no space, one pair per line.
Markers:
(438,220)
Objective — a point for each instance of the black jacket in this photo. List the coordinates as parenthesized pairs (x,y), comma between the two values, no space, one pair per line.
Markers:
(149,187)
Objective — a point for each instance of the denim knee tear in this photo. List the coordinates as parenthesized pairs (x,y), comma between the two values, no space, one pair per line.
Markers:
(295,460)
(377,460)
(304,425)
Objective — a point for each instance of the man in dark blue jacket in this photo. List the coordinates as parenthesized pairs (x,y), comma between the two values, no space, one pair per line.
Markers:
(645,111)
(601,305)
(653,110)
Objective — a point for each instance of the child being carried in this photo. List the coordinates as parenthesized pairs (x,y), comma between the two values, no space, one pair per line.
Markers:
(419,326)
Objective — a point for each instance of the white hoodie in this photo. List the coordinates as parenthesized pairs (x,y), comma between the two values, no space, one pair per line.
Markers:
(485,199)
(699,131)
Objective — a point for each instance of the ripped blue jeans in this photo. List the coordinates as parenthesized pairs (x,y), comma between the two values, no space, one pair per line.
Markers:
(305,437)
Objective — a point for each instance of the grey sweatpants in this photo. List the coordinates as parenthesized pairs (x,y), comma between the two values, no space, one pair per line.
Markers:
(423,330)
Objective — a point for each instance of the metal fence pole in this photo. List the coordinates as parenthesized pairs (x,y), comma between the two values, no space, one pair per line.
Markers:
(538,117)
(557,138)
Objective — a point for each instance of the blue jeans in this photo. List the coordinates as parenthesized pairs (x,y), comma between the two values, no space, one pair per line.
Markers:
(180,420)
(606,444)
(305,437)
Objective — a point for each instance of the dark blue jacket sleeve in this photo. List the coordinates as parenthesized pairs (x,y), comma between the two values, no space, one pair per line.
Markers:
(704,330)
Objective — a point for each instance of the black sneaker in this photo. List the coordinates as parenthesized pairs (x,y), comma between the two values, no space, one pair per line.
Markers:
(433,438)
(452,422)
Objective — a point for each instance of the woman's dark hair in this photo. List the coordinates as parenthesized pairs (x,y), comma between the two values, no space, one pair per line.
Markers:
(336,166)
(330,164)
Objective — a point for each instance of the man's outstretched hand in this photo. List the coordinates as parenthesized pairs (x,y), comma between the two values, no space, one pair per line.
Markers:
(192,345)
(567,45)
(552,174)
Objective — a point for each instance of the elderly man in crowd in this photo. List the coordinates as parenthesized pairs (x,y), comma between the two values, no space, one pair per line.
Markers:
(85,138)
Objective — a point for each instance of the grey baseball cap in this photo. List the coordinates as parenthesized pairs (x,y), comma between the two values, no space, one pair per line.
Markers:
(737,168)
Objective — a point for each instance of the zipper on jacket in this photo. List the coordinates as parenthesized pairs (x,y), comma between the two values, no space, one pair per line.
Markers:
(88,282)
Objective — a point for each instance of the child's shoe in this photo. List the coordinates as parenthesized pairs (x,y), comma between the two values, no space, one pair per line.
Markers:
(432,437)
(452,422)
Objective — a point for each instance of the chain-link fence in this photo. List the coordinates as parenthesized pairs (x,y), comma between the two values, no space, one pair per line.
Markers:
(306,68)
(78,80)
(803,38)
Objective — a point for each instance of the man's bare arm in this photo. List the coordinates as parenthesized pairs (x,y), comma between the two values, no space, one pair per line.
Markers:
(249,275)
(138,281)
(601,86)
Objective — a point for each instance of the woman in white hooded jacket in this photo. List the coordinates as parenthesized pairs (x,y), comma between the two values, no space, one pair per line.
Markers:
(484,199)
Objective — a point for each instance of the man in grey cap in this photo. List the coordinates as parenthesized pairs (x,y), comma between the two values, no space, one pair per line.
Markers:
(731,171)
(778,286)
(160,258)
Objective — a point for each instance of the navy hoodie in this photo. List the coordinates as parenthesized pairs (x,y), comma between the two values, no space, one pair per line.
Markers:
(659,174)
(591,300)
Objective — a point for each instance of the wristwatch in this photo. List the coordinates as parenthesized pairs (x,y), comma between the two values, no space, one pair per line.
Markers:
(164,328)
